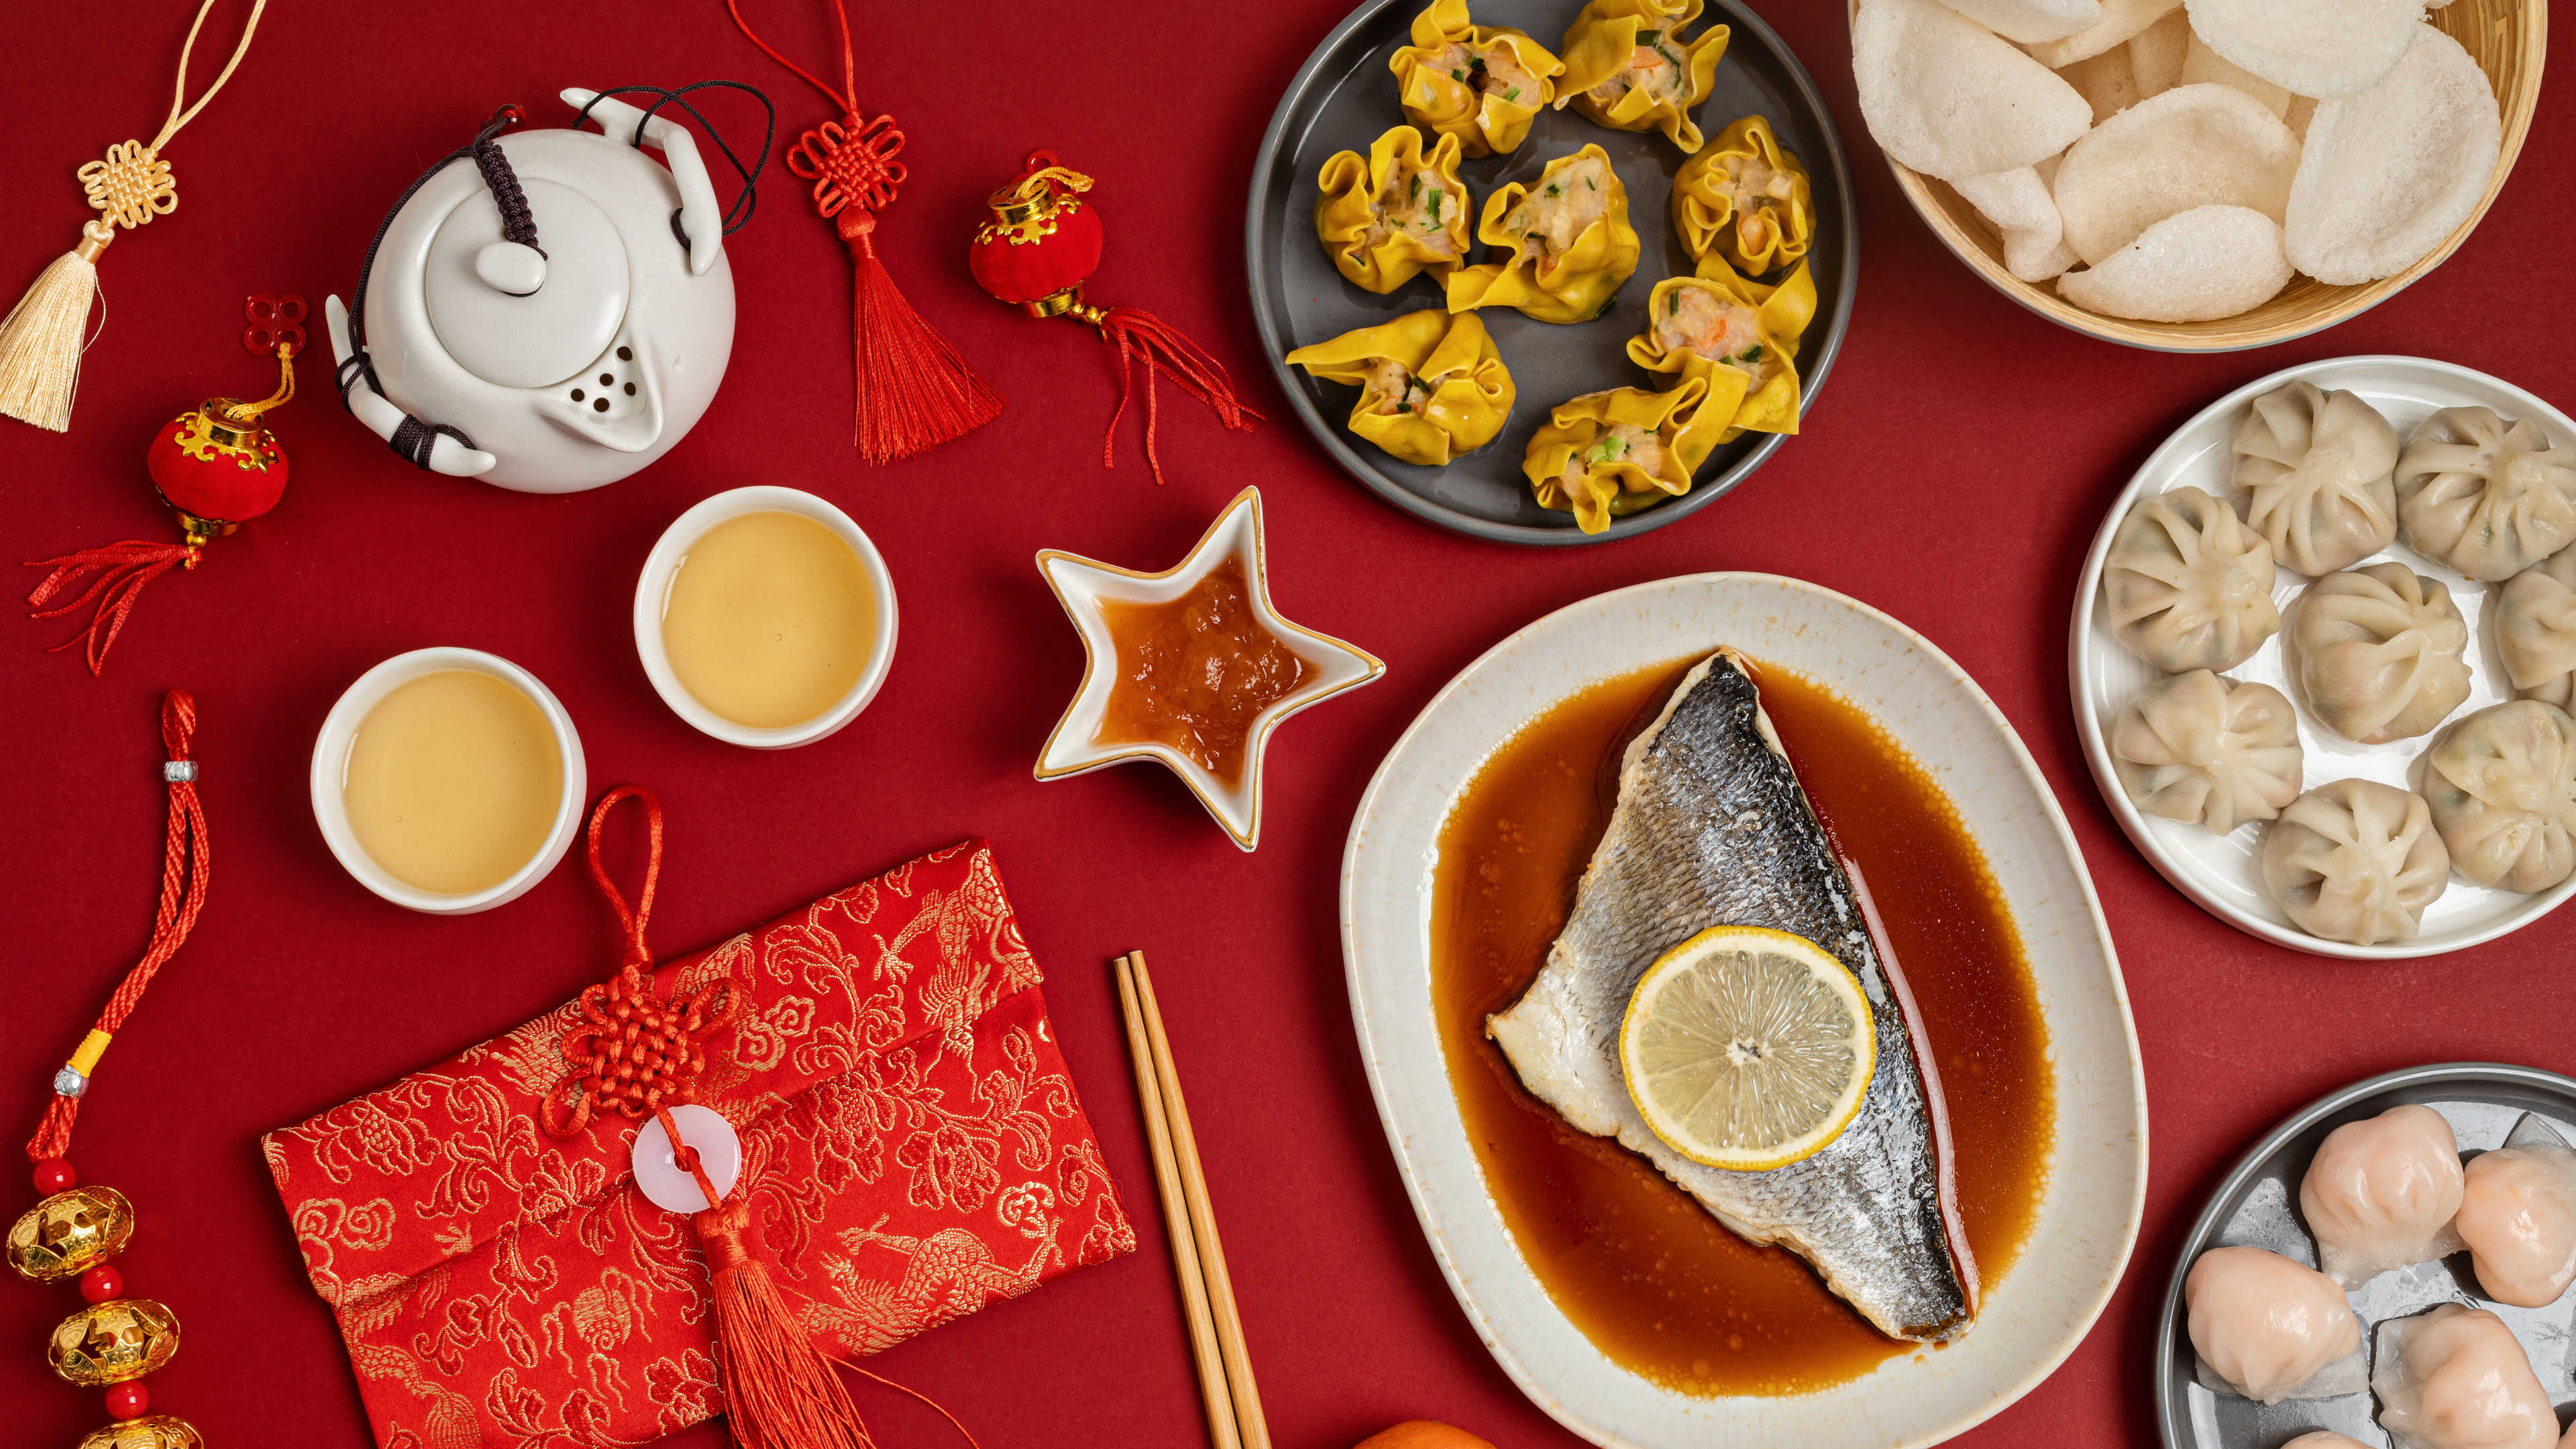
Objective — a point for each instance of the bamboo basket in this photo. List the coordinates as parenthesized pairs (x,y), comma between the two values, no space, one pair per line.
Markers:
(2508,38)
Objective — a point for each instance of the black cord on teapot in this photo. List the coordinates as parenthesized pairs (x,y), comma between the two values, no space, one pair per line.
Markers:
(415,437)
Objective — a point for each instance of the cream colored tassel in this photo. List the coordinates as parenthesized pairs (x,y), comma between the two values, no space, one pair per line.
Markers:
(42,338)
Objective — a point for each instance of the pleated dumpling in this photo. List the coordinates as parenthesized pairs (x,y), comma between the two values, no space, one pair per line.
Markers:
(2456,1378)
(2268,1329)
(2518,1216)
(2209,750)
(1431,383)
(2355,861)
(1746,199)
(2188,586)
(1628,68)
(1479,83)
(2502,787)
(1570,242)
(1739,337)
(2378,652)
(2381,1193)
(1394,213)
(2488,497)
(1607,454)
(2315,469)
(2536,630)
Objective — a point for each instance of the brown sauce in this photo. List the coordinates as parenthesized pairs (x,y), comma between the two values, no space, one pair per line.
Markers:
(1639,1266)
(1194,673)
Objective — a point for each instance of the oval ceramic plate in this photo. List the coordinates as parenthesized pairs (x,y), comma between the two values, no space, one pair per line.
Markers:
(2033,1316)
(2253,1208)
(2224,873)
(1345,96)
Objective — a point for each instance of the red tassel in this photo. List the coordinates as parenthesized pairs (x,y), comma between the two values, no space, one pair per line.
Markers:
(1141,336)
(123,569)
(915,390)
(780,1392)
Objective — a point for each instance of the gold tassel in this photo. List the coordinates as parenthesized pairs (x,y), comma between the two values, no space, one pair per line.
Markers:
(42,338)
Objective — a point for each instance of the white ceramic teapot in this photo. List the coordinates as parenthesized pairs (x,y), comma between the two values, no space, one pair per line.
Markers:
(552,316)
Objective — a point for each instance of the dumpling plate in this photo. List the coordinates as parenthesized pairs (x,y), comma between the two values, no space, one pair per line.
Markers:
(2030,1318)
(2257,1207)
(2224,874)
(1344,97)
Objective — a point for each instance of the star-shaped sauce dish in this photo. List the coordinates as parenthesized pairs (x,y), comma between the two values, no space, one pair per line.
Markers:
(1191,667)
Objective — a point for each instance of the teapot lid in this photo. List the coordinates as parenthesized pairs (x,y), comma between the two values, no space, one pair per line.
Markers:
(542,337)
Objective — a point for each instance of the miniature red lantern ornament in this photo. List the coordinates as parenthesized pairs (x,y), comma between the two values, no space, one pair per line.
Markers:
(1040,245)
(214,465)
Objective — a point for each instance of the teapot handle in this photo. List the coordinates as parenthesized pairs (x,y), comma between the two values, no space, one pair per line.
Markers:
(384,419)
(699,214)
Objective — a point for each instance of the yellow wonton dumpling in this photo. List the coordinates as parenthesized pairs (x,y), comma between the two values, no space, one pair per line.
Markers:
(1608,454)
(1431,384)
(1571,244)
(1745,199)
(1738,337)
(1479,83)
(1627,67)
(1395,213)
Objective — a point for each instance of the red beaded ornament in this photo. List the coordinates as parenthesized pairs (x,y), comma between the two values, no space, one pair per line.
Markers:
(101,1283)
(128,1400)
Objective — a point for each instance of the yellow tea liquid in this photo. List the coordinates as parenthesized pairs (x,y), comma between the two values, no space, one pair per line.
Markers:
(769,620)
(453,781)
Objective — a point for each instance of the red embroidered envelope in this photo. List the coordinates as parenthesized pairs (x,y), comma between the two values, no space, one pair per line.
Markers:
(912,1146)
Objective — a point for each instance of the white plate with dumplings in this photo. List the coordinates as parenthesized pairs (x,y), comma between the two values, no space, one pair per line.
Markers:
(2224,873)
(2260,1205)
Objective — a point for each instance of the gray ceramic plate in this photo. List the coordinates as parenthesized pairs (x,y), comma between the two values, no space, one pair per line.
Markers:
(2257,1207)
(1345,96)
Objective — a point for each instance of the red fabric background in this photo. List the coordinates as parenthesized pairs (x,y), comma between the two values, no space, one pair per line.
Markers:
(1951,473)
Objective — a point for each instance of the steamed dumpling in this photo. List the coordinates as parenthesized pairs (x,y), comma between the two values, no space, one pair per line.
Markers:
(2518,1216)
(2381,1194)
(2378,651)
(2270,1329)
(2455,1378)
(2536,630)
(2207,749)
(2488,497)
(2502,787)
(2188,586)
(2355,861)
(2315,467)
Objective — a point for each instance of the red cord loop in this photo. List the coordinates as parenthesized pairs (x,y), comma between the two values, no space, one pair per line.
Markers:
(851,163)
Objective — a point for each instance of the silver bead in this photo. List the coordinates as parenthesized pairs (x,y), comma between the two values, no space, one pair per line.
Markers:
(69,1083)
(176,770)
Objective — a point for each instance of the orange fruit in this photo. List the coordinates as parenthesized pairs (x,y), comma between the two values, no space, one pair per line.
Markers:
(1423,1434)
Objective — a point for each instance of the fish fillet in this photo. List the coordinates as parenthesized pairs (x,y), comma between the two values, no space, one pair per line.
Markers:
(1711,828)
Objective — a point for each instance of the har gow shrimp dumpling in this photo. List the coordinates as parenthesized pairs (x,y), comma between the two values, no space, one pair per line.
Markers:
(2206,749)
(2378,651)
(2536,630)
(2316,470)
(2355,861)
(2518,1216)
(2268,1329)
(2487,497)
(2455,1378)
(2388,174)
(2502,788)
(2188,586)
(2381,1193)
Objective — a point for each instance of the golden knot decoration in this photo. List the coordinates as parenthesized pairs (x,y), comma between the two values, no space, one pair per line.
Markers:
(70,1233)
(112,1342)
(132,186)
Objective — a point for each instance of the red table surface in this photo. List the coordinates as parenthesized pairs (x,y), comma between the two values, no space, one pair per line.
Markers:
(1951,472)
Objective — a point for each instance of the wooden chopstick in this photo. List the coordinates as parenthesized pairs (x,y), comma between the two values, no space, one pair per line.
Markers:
(1177,1218)
(1249,1422)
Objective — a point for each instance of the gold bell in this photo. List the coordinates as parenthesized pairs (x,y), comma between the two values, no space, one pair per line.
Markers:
(70,1233)
(108,1343)
(153,1431)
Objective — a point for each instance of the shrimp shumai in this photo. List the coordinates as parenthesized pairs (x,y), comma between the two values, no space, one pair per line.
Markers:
(1432,385)
(1395,213)
(1628,68)
(1480,83)
(1608,454)
(1745,198)
(1739,337)
(1569,241)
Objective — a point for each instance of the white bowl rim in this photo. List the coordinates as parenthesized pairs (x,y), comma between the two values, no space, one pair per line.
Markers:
(653,581)
(2132,1219)
(2097,750)
(330,757)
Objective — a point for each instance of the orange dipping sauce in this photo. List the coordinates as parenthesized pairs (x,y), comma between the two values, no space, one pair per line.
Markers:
(1659,1285)
(1193,674)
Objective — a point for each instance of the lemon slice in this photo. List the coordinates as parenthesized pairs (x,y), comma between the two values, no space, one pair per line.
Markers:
(1746,1048)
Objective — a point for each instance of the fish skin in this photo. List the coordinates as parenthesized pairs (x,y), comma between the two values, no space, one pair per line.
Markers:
(1711,828)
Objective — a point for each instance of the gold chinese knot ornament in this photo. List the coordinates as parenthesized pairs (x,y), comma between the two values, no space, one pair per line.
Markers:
(42,337)
(70,1233)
